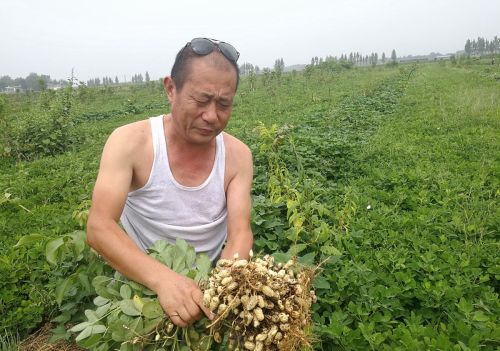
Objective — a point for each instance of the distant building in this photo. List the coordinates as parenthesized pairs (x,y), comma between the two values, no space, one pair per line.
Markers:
(442,57)
(12,90)
(53,86)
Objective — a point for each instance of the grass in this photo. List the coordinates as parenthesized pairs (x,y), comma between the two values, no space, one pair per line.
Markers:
(8,342)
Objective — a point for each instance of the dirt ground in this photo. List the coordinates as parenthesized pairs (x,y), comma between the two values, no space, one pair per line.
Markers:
(39,342)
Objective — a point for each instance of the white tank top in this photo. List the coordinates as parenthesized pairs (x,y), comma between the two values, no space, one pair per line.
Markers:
(164,209)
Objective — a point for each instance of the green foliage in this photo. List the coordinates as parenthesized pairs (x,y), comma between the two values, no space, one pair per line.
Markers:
(386,175)
(23,297)
(128,316)
(51,131)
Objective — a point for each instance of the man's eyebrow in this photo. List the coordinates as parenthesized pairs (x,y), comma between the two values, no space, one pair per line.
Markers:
(210,96)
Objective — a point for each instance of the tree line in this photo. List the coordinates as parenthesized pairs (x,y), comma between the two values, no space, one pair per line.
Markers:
(354,58)
(33,82)
(482,46)
(357,58)
(136,79)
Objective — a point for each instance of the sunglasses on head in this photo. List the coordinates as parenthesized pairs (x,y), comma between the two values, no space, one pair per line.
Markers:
(204,46)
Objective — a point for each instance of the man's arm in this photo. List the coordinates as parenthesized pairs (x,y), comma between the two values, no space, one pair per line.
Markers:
(179,296)
(239,232)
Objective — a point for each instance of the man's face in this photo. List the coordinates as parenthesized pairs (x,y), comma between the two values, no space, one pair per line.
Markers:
(201,109)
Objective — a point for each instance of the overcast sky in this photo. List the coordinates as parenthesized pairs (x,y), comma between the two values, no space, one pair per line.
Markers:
(123,37)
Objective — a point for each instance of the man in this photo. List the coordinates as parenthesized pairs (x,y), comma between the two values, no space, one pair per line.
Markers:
(177,175)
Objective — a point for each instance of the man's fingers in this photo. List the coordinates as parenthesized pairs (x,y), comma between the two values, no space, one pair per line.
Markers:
(185,315)
(177,320)
(198,298)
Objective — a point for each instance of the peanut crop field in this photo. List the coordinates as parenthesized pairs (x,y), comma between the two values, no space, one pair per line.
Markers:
(386,177)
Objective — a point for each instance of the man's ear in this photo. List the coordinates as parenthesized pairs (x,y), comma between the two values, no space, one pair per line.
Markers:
(169,85)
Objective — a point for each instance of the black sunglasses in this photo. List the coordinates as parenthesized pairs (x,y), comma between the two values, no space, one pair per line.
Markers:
(204,46)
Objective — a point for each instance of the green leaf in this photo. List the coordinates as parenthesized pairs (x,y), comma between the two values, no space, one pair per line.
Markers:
(84,334)
(152,309)
(83,278)
(79,327)
(99,329)
(127,307)
(136,286)
(100,284)
(29,239)
(125,291)
(100,280)
(102,310)
(204,265)
(479,316)
(99,301)
(59,333)
(296,249)
(465,306)
(52,248)
(63,287)
(307,259)
(190,257)
(91,315)
(79,241)
(151,324)
(182,245)
(321,283)
(281,257)
(330,250)
(91,341)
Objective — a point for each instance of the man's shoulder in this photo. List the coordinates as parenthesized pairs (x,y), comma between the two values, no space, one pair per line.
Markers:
(131,134)
(235,147)
(238,154)
(135,129)
(129,139)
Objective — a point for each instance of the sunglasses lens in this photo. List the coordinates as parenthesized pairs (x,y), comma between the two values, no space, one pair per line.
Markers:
(202,46)
(229,51)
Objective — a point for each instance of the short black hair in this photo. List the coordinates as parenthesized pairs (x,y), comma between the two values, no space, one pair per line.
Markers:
(181,67)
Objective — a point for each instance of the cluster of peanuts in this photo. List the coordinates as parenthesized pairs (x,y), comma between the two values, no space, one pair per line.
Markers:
(262,305)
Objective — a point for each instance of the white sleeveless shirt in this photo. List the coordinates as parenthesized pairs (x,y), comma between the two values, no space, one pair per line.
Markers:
(164,209)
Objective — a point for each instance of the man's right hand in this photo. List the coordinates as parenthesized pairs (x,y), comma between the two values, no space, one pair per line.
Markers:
(182,300)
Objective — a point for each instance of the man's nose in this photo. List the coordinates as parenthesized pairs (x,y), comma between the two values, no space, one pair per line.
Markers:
(210,113)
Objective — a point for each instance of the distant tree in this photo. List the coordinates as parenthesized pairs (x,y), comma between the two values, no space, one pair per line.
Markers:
(468,47)
(252,79)
(147,77)
(116,80)
(491,49)
(383,57)
(257,69)
(30,82)
(394,57)
(42,84)
(474,46)
(480,45)
(5,81)
(279,66)
(246,68)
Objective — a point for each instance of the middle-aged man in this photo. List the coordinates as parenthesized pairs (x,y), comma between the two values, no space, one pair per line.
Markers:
(177,176)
